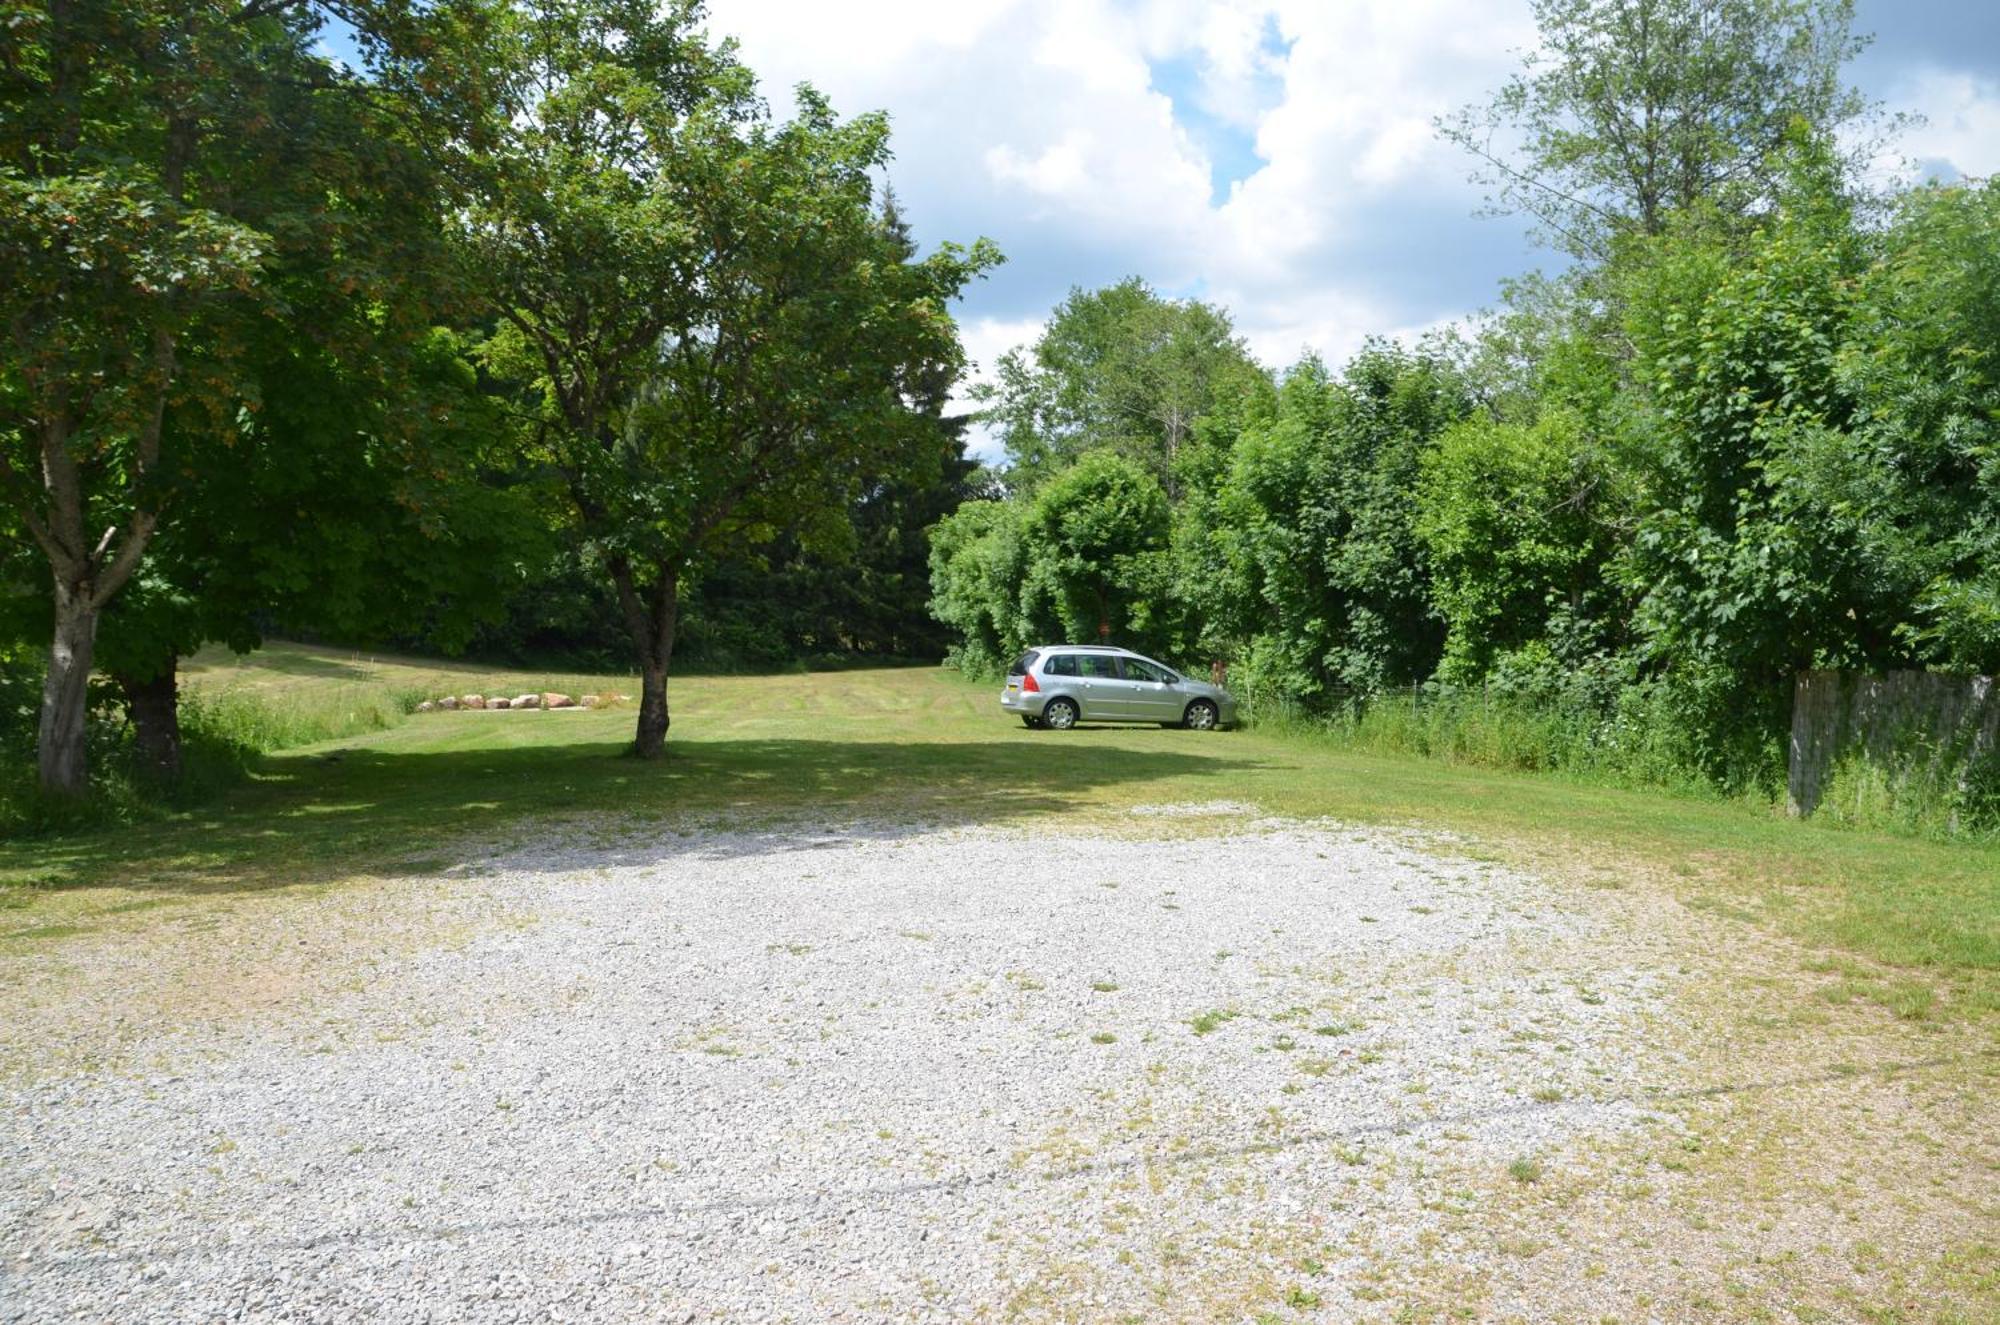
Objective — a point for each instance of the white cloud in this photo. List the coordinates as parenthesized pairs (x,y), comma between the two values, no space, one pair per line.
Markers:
(1961,121)
(1081,135)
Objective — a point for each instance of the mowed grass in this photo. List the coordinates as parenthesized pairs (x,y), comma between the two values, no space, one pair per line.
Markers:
(412,795)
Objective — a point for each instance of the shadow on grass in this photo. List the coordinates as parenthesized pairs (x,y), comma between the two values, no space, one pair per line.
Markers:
(315,818)
(289,662)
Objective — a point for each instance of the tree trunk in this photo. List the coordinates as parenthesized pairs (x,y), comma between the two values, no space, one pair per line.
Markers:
(59,737)
(650,742)
(652,624)
(154,705)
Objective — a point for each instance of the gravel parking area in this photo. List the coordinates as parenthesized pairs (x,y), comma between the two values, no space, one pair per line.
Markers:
(1196,1068)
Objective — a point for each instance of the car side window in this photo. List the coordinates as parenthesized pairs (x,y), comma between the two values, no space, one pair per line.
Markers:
(1142,671)
(1061,664)
(1099,665)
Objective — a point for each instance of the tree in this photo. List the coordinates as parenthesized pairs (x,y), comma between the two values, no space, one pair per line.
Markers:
(1922,363)
(1120,369)
(977,564)
(1094,543)
(711,333)
(1513,518)
(157,161)
(1633,110)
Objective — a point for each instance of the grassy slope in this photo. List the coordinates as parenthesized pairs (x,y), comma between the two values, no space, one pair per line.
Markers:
(925,743)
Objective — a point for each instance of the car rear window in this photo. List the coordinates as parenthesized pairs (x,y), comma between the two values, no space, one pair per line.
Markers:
(1060,664)
(1023,663)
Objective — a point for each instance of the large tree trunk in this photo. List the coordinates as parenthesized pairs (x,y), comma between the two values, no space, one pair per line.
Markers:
(651,621)
(59,737)
(154,706)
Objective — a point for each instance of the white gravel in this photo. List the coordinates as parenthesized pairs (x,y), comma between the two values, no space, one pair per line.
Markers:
(861,1074)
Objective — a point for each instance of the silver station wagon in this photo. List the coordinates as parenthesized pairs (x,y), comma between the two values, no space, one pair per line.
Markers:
(1059,685)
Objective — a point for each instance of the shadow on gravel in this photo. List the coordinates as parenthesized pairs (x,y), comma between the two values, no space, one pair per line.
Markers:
(317,818)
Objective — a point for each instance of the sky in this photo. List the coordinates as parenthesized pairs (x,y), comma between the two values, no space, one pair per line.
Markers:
(1273,156)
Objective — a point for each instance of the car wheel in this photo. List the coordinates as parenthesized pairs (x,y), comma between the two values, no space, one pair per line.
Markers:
(1030,721)
(1201,716)
(1060,715)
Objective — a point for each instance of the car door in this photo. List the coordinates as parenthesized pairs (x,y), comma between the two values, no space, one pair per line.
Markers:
(1100,687)
(1151,691)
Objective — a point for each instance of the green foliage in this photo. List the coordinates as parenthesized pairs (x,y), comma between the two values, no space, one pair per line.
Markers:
(1921,364)
(1094,543)
(978,562)
(1123,370)
(1318,530)
(718,338)
(1084,559)
(185,191)
(1516,519)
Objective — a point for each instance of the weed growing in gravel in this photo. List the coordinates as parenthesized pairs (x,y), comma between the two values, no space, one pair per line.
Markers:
(1103,987)
(1547,1094)
(1315,1067)
(1103,1037)
(1213,1019)
(1525,1169)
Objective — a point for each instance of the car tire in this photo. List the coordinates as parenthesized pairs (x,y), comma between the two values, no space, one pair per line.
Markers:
(1060,715)
(1030,721)
(1201,716)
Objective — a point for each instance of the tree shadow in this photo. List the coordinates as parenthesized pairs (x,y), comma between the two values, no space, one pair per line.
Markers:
(287,662)
(317,818)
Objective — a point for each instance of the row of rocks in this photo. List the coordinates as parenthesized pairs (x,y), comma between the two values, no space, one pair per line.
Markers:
(547,699)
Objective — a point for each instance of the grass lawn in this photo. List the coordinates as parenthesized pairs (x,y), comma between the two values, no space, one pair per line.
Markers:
(1910,923)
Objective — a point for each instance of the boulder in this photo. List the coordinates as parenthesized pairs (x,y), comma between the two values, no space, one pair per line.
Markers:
(591,701)
(553,700)
(426,707)
(499,702)
(472,701)
(448,702)
(528,702)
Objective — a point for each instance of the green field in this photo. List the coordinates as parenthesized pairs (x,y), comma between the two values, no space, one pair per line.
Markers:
(1914,924)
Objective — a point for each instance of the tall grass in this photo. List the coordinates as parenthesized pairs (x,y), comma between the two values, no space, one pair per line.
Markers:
(1924,790)
(223,732)
(1635,735)
(262,722)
